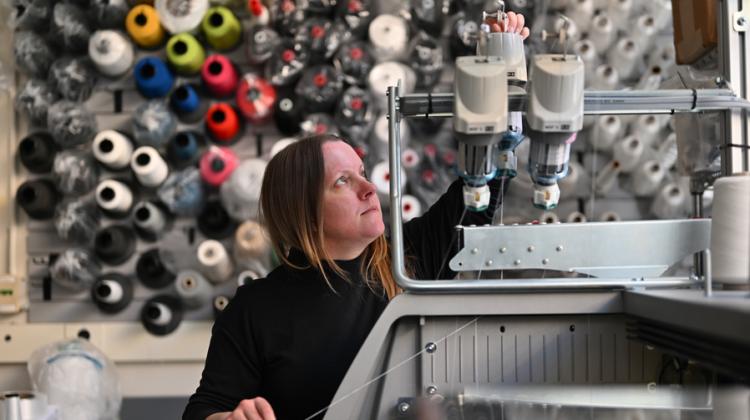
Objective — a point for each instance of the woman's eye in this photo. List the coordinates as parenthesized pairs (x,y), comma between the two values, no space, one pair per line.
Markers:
(341,181)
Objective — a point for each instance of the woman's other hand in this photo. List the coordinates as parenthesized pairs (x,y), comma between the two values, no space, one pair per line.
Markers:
(514,23)
(253,409)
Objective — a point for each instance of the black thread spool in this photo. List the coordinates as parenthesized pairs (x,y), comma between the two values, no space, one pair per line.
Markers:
(214,221)
(151,270)
(38,198)
(162,314)
(151,220)
(288,112)
(112,292)
(115,244)
(37,152)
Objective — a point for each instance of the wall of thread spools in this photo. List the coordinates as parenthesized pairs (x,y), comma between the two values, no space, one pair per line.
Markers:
(147,127)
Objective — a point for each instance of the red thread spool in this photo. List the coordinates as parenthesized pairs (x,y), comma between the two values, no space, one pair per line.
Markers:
(222,122)
(256,98)
(217,164)
(219,76)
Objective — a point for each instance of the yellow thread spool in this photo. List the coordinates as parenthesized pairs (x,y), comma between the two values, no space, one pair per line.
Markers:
(143,25)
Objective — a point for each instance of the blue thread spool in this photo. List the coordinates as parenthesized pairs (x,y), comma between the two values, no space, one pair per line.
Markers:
(152,77)
(187,104)
(183,193)
(182,149)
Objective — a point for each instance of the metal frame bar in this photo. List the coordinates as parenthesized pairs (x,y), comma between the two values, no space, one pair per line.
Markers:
(733,51)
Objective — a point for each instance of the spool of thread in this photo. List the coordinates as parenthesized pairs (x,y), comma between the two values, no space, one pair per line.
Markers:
(219,76)
(222,28)
(72,77)
(214,261)
(381,177)
(549,218)
(355,115)
(576,217)
(112,292)
(220,303)
(287,63)
(153,124)
(37,152)
(410,160)
(647,178)
(161,315)
(222,123)
(620,11)
(181,16)
(648,129)
(185,54)
(605,77)
(664,57)
(602,32)
(251,245)
(625,57)
(217,164)
(150,220)
(322,37)
(114,244)
(572,31)
(410,207)
(151,270)
(644,32)
(33,53)
(114,197)
(187,104)
(666,153)
(255,98)
(240,194)
(318,123)
(607,177)
(70,124)
(75,172)
(109,13)
(730,230)
(587,51)
(37,198)
(629,152)
(75,269)
(389,37)
(388,74)
(581,12)
(670,201)
(320,88)
(183,149)
(258,12)
(111,52)
(355,61)
(76,221)
(607,129)
(261,42)
(288,113)
(144,26)
(34,99)
(193,289)
(379,142)
(32,16)
(149,167)
(610,216)
(70,27)
(247,277)
(280,145)
(183,192)
(214,221)
(152,77)
(651,79)
(569,184)
(112,149)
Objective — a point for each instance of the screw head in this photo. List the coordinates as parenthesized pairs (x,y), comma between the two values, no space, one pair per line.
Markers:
(517,262)
(741,21)
(488,263)
(431,390)
(545,261)
(559,248)
(530,248)
(475,250)
(503,250)
(403,407)
(430,347)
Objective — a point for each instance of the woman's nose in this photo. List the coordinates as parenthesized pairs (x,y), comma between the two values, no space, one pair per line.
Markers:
(367,188)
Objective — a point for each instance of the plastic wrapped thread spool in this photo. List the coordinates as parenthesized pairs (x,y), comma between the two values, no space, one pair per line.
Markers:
(115,244)
(70,27)
(112,292)
(35,98)
(162,314)
(463,37)
(109,13)
(287,63)
(183,192)
(261,42)
(151,270)
(255,98)
(37,152)
(219,76)
(429,16)
(185,54)
(33,54)
(75,172)
(111,52)
(183,149)
(426,59)
(70,124)
(356,15)
(354,61)
(187,103)
(144,26)
(322,37)
(214,221)
(217,164)
(241,192)
(355,114)
(320,88)
(222,29)
(75,269)
(289,16)
(180,15)
(223,123)
(153,79)
(112,149)
(73,78)
(31,15)
(76,220)
(318,123)
(149,167)
(37,198)
(153,124)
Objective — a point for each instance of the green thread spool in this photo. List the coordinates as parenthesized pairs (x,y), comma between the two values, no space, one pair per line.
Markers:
(223,30)
(185,54)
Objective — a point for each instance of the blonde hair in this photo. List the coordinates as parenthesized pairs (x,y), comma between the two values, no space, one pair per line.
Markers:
(294,181)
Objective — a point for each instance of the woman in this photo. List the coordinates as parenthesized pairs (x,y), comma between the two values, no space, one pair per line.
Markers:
(284,343)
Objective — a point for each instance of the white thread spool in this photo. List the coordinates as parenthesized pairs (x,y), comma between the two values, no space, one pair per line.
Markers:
(220,302)
(280,145)
(651,79)
(607,177)
(730,230)
(576,217)
(114,196)
(149,167)
(610,216)
(648,128)
(251,246)
(240,194)
(661,10)
(581,12)
(410,159)
(112,149)
(111,52)
(214,261)
(663,56)
(607,129)
(181,16)
(569,184)
(549,218)
(572,32)
(620,11)
(602,32)
(588,121)
(647,178)
(628,152)
(644,32)
(379,142)
(247,276)
(410,207)
(381,177)
(666,153)
(587,51)
(114,291)
(669,202)
(625,57)
(389,37)
(388,74)
(149,218)
(164,314)
(193,288)
(605,77)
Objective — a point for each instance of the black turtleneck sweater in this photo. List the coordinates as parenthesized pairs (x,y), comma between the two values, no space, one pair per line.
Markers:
(290,339)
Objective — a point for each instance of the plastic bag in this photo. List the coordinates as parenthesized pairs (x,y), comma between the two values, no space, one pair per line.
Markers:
(182,193)
(75,269)
(320,88)
(355,114)
(73,78)
(153,124)
(31,15)
(355,61)
(33,54)
(78,378)
(70,27)
(75,172)
(34,99)
(77,220)
(109,14)
(70,124)
(426,59)
(287,63)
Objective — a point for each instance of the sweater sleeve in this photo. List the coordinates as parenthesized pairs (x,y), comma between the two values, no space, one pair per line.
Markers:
(232,369)
(430,240)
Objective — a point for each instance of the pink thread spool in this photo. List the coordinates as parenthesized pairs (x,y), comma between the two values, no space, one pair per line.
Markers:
(217,164)
(219,76)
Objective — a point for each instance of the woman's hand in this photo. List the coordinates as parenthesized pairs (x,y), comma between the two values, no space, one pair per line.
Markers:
(514,23)
(253,409)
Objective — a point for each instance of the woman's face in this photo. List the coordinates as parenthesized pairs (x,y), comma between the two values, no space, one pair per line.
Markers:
(351,209)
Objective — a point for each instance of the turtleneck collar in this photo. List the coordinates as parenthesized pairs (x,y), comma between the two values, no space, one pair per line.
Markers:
(298,258)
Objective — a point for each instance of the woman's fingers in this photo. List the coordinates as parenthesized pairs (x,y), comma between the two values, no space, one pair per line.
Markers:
(264,408)
(525,33)
(512,22)
(520,22)
(495,27)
